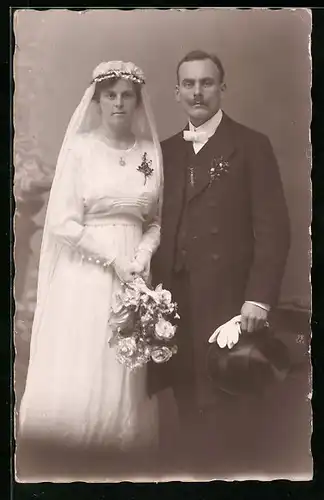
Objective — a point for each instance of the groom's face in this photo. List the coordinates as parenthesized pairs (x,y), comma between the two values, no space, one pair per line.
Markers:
(199,90)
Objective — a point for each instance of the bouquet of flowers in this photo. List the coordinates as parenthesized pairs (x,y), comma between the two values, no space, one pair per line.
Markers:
(141,324)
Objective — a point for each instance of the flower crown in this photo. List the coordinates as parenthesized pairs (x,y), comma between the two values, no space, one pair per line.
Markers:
(118,69)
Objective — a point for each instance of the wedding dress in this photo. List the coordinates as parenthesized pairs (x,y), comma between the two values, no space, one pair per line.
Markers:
(76,390)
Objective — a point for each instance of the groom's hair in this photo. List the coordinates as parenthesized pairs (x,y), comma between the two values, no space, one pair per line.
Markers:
(200,55)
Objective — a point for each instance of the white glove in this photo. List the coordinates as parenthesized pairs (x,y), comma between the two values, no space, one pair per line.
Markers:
(227,334)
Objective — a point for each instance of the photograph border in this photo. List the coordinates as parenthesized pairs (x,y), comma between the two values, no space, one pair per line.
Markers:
(248,489)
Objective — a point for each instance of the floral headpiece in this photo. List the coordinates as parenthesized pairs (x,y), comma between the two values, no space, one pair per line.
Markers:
(118,69)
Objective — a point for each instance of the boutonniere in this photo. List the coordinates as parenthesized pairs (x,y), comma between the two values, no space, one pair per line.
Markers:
(219,167)
(145,167)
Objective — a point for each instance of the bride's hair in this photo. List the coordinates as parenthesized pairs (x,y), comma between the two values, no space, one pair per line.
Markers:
(108,83)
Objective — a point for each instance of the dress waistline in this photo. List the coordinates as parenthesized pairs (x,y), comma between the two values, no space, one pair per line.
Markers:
(111,220)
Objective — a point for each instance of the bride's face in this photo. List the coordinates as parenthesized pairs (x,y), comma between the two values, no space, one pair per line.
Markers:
(118,104)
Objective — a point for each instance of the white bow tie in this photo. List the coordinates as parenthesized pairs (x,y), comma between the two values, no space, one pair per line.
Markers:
(201,137)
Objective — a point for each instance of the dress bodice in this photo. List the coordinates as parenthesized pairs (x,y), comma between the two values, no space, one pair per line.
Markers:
(109,188)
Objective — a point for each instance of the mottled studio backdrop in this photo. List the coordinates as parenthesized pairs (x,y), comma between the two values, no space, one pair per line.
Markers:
(266,55)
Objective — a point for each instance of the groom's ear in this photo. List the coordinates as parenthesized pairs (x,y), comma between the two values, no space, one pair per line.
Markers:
(177,93)
(223,87)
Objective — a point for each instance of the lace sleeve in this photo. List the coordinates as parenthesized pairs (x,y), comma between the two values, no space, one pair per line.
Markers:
(152,231)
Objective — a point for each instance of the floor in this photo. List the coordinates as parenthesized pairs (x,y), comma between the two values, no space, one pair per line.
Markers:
(280,424)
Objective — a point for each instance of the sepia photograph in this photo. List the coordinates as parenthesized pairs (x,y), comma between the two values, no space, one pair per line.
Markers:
(162,186)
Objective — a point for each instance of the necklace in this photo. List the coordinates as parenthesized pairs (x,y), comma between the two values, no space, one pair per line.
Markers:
(122,158)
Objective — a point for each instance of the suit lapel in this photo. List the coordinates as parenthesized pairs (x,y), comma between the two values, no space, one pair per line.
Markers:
(220,145)
(179,162)
(175,176)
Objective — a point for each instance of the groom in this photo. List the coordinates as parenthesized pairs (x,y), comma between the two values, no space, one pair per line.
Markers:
(225,231)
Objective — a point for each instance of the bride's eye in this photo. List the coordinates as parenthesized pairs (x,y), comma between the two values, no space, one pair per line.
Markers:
(109,95)
(129,95)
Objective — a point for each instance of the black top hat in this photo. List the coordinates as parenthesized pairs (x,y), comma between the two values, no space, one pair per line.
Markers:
(253,364)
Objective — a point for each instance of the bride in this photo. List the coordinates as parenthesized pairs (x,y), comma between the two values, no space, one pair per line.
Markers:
(102,227)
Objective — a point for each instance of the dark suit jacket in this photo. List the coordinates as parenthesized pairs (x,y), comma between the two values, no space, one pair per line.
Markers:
(236,236)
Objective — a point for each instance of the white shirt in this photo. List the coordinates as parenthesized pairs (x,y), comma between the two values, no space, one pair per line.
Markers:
(209,128)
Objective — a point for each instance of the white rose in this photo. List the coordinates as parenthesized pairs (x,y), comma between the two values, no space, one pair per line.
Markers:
(166,297)
(127,346)
(163,295)
(132,297)
(161,354)
(164,329)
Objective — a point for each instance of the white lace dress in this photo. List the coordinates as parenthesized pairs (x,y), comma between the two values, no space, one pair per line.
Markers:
(76,391)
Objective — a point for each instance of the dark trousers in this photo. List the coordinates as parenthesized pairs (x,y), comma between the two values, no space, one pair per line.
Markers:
(217,435)
(182,365)
(192,450)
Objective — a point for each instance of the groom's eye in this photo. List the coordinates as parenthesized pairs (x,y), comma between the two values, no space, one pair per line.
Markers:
(208,82)
(187,83)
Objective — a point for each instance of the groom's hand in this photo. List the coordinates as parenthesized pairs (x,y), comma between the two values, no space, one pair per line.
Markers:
(253,317)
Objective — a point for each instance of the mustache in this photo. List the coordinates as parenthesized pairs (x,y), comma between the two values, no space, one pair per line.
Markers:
(198,101)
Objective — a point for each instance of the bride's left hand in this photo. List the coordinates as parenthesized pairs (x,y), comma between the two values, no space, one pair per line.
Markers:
(141,263)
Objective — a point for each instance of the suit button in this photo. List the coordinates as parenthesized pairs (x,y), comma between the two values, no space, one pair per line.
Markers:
(214,230)
(194,237)
(215,257)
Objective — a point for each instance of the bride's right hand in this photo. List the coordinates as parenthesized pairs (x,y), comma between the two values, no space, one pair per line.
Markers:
(126,270)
